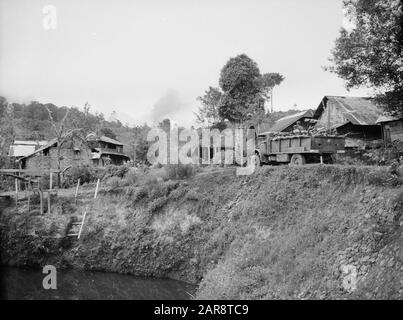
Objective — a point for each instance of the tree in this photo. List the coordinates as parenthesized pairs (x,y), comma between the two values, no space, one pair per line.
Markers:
(370,54)
(240,83)
(6,127)
(245,90)
(107,132)
(208,113)
(268,82)
(62,134)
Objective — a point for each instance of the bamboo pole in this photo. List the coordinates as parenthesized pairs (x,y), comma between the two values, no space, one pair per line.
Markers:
(75,196)
(96,189)
(16,193)
(29,197)
(82,224)
(41,200)
(51,181)
(49,194)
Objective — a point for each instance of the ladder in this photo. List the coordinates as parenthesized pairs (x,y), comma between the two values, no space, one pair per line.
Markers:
(75,224)
(80,224)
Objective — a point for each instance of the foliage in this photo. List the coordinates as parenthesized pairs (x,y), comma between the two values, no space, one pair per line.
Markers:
(107,132)
(243,93)
(179,171)
(208,113)
(86,174)
(371,53)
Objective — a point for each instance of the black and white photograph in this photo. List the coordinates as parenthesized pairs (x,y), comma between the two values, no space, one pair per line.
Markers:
(201,155)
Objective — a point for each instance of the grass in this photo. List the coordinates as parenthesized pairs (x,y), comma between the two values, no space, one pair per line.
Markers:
(275,234)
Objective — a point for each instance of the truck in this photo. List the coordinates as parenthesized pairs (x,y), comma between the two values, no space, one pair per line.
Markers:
(297,149)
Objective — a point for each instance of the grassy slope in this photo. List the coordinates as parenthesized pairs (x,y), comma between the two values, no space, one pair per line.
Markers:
(280,233)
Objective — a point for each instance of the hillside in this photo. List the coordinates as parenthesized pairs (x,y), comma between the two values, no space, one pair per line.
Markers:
(317,232)
(31,122)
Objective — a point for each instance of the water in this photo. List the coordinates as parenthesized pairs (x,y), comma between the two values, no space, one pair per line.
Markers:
(26,284)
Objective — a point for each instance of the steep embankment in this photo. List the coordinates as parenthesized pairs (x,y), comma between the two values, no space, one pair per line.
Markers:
(284,232)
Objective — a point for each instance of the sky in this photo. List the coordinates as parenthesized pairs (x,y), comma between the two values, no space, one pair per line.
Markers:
(149,60)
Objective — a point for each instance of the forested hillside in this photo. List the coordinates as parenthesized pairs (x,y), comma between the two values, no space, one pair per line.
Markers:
(32,122)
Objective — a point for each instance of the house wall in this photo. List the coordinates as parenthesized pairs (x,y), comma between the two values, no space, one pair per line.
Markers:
(395,128)
(331,116)
(68,158)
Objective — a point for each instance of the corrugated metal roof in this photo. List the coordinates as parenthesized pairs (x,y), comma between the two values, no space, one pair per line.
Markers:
(21,150)
(388,118)
(357,110)
(110,140)
(30,142)
(287,121)
(47,146)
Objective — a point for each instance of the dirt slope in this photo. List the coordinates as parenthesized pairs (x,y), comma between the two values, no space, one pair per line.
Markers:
(284,232)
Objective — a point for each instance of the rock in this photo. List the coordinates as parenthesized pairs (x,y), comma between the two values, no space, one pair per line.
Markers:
(391,263)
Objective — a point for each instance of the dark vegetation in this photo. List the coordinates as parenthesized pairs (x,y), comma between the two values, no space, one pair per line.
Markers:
(371,54)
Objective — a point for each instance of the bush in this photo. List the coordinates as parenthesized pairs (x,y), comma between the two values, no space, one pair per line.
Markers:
(113,183)
(115,171)
(86,174)
(179,171)
(130,178)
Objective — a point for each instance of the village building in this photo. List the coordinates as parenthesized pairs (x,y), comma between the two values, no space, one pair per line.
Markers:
(95,150)
(392,127)
(22,148)
(355,117)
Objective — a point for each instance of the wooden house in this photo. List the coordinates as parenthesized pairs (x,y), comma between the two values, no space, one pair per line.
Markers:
(97,151)
(392,127)
(355,117)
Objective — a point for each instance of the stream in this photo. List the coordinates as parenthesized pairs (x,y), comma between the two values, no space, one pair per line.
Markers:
(17,283)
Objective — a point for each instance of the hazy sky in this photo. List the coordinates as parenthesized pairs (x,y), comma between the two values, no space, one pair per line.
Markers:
(151,59)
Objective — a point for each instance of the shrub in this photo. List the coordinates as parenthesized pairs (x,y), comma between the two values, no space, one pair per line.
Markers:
(116,171)
(113,183)
(86,174)
(157,204)
(179,171)
(130,178)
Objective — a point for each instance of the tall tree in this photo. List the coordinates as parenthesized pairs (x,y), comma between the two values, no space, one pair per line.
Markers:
(269,81)
(240,83)
(245,90)
(370,52)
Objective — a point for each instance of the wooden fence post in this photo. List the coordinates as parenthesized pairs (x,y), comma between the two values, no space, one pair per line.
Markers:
(96,189)
(16,193)
(75,196)
(49,194)
(29,196)
(41,200)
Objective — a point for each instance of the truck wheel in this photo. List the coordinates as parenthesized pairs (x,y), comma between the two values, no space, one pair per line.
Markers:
(297,160)
(255,159)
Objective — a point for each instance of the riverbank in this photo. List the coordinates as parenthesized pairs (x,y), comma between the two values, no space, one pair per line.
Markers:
(283,232)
